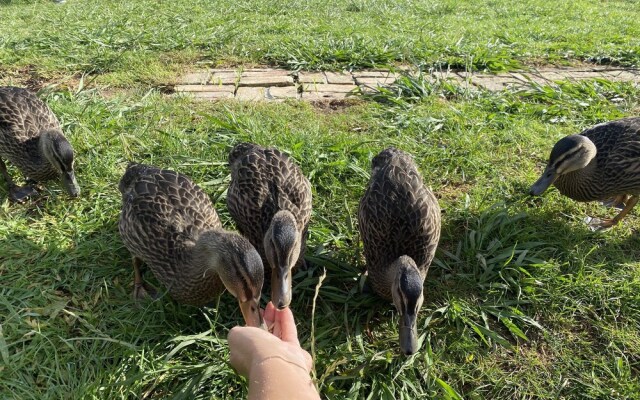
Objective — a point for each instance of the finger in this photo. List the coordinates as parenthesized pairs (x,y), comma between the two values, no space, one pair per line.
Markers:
(235,339)
(270,316)
(308,360)
(234,335)
(288,331)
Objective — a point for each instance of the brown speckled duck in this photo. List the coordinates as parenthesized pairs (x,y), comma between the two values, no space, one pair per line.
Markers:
(601,163)
(399,222)
(31,139)
(170,224)
(270,200)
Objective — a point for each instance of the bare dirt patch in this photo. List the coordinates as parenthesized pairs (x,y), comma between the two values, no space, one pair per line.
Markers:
(334,105)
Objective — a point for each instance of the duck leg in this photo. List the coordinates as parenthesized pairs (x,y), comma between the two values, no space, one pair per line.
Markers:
(366,287)
(17,194)
(366,284)
(301,264)
(140,289)
(619,201)
(600,225)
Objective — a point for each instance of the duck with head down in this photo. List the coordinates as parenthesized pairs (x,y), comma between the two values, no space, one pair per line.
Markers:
(31,139)
(399,222)
(270,200)
(601,163)
(170,224)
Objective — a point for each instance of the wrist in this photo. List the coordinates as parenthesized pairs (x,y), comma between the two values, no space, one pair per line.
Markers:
(276,377)
(278,359)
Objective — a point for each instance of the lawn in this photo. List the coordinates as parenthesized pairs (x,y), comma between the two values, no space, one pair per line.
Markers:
(522,301)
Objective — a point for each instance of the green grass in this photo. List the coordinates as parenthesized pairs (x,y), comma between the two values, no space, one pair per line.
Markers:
(522,301)
(145,41)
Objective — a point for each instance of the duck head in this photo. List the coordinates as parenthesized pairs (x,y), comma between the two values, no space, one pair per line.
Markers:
(571,153)
(282,243)
(407,295)
(58,151)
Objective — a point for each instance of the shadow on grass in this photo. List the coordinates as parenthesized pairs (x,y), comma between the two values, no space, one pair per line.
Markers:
(477,286)
(485,291)
(67,295)
(482,293)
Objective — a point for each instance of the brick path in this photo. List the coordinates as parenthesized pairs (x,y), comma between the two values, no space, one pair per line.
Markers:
(278,84)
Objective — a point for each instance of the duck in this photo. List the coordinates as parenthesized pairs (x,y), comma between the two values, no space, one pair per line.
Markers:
(32,140)
(600,163)
(169,223)
(399,224)
(270,200)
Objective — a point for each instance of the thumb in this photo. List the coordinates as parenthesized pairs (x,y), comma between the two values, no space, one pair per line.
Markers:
(288,330)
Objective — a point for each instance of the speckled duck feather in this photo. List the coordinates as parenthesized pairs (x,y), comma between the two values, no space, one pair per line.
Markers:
(398,215)
(23,116)
(163,215)
(615,170)
(263,182)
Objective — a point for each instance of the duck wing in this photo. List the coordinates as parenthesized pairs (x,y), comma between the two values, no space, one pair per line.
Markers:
(398,215)
(163,213)
(264,181)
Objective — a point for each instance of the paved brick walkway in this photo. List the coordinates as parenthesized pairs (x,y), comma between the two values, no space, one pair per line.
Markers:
(278,84)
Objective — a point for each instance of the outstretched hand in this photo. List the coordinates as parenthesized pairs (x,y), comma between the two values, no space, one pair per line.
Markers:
(249,347)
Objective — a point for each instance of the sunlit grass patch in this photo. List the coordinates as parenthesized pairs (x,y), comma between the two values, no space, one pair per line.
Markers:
(522,301)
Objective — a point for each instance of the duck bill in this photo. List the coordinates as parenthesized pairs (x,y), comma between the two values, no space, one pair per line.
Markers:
(548,177)
(408,334)
(70,184)
(281,288)
(251,312)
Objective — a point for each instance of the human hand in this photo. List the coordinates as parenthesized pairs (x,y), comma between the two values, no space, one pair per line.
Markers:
(249,347)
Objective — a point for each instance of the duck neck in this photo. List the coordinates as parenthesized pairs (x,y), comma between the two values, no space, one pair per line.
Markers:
(401,265)
(580,185)
(209,251)
(46,148)
(393,271)
(281,240)
(284,219)
(406,287)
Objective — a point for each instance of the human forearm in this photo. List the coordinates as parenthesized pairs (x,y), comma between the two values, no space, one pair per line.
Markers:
(276,378)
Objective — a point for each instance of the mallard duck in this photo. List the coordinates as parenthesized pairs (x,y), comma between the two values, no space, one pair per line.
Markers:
(170,224)
(399,222)
(30,137)
(600,163)
(270,200)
